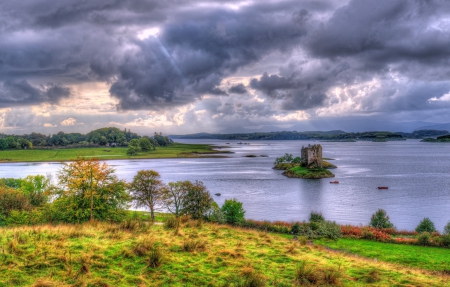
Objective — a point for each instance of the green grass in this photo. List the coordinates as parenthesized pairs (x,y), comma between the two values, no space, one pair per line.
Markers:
(104,254)
(302,172)
(431,258)
(41,155)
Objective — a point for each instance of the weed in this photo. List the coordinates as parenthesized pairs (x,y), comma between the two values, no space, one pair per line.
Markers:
(171,223)
(332,276)
(190,245)
(306,274)
(155,258)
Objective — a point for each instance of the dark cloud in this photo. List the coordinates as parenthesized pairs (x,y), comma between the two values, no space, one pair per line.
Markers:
(380,56)
(238,89)
(21,93)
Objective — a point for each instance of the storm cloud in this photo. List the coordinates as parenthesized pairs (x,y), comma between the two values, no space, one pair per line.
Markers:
(328,57)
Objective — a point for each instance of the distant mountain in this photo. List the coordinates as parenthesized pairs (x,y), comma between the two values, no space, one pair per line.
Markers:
(346,124)
(442,126)
(241,130)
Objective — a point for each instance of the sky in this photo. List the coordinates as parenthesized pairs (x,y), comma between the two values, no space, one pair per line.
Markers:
(181,66)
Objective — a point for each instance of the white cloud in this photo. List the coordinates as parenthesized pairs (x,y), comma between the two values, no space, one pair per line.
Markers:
(69,122)
(49,125)
(444,98)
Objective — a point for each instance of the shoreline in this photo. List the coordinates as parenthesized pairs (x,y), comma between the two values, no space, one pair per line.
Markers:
(59,155)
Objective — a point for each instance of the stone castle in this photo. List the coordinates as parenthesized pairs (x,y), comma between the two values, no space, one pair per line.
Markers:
(312,156)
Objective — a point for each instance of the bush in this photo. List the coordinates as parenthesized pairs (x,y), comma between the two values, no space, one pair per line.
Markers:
(295,229)
(445,240)
(426,225)
(215,214)
(325,229)
(380,219)
(287,158)
(12,199)
(447,229)
(316,217)
(233,211)
(424,238)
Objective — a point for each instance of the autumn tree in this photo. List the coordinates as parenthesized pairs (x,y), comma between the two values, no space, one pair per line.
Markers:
(147,190)
(91,189)
(174,195)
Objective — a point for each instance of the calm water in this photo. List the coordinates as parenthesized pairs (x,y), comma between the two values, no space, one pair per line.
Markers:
(418,176)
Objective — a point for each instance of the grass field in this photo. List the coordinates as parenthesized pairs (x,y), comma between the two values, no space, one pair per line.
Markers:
(131,254)
(104,153)
(431,258)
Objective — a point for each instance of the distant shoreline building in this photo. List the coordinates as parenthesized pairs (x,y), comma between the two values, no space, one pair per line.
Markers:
(312,156)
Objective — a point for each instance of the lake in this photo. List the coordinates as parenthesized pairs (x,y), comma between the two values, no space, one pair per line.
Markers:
(417,174)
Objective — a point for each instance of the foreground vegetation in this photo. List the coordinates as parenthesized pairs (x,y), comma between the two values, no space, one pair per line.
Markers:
(175,150)
(423,257)
(135,253)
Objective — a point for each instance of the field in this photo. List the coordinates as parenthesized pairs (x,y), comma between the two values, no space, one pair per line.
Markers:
(431,258)
(41,155)
(139,254)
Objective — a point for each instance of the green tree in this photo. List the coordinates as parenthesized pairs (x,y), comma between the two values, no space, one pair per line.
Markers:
(197,200)
(447,229)
(174,195)
(426,225)
(146,190)
(91,190)
(234,213)
(145,144)
(37,189)
(380,219)
(132,151)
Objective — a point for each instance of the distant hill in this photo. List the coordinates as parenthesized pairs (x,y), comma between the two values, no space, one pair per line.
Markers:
(317,135)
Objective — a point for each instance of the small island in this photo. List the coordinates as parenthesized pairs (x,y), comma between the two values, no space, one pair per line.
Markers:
(310,166)
(440,139)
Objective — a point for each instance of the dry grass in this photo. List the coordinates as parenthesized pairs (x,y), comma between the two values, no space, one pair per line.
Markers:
(131,254)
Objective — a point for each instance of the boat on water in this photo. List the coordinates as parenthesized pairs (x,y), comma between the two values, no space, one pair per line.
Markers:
(335,182)
(382,187)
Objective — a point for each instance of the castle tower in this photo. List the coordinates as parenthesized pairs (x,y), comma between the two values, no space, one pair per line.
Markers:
(312,156)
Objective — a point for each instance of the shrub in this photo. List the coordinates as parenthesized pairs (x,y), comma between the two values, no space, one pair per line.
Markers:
(287,158)
(233,211)
(215,214)
(295,229)
(12,199)
(447,229)
(424,238)
(445,240)
(380,219)
(426,225)
(316,217)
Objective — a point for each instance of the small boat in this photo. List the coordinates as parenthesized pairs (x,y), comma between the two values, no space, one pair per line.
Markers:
(382,187)
(336,181)
(218,194)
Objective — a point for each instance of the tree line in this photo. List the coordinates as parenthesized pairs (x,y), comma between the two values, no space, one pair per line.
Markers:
(108,136)
(87,190)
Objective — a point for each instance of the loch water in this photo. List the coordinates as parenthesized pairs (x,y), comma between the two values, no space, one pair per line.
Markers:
(417,174)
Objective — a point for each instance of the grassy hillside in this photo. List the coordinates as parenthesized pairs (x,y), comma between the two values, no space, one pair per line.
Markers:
(425,257)
(132,254)
(38,155)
